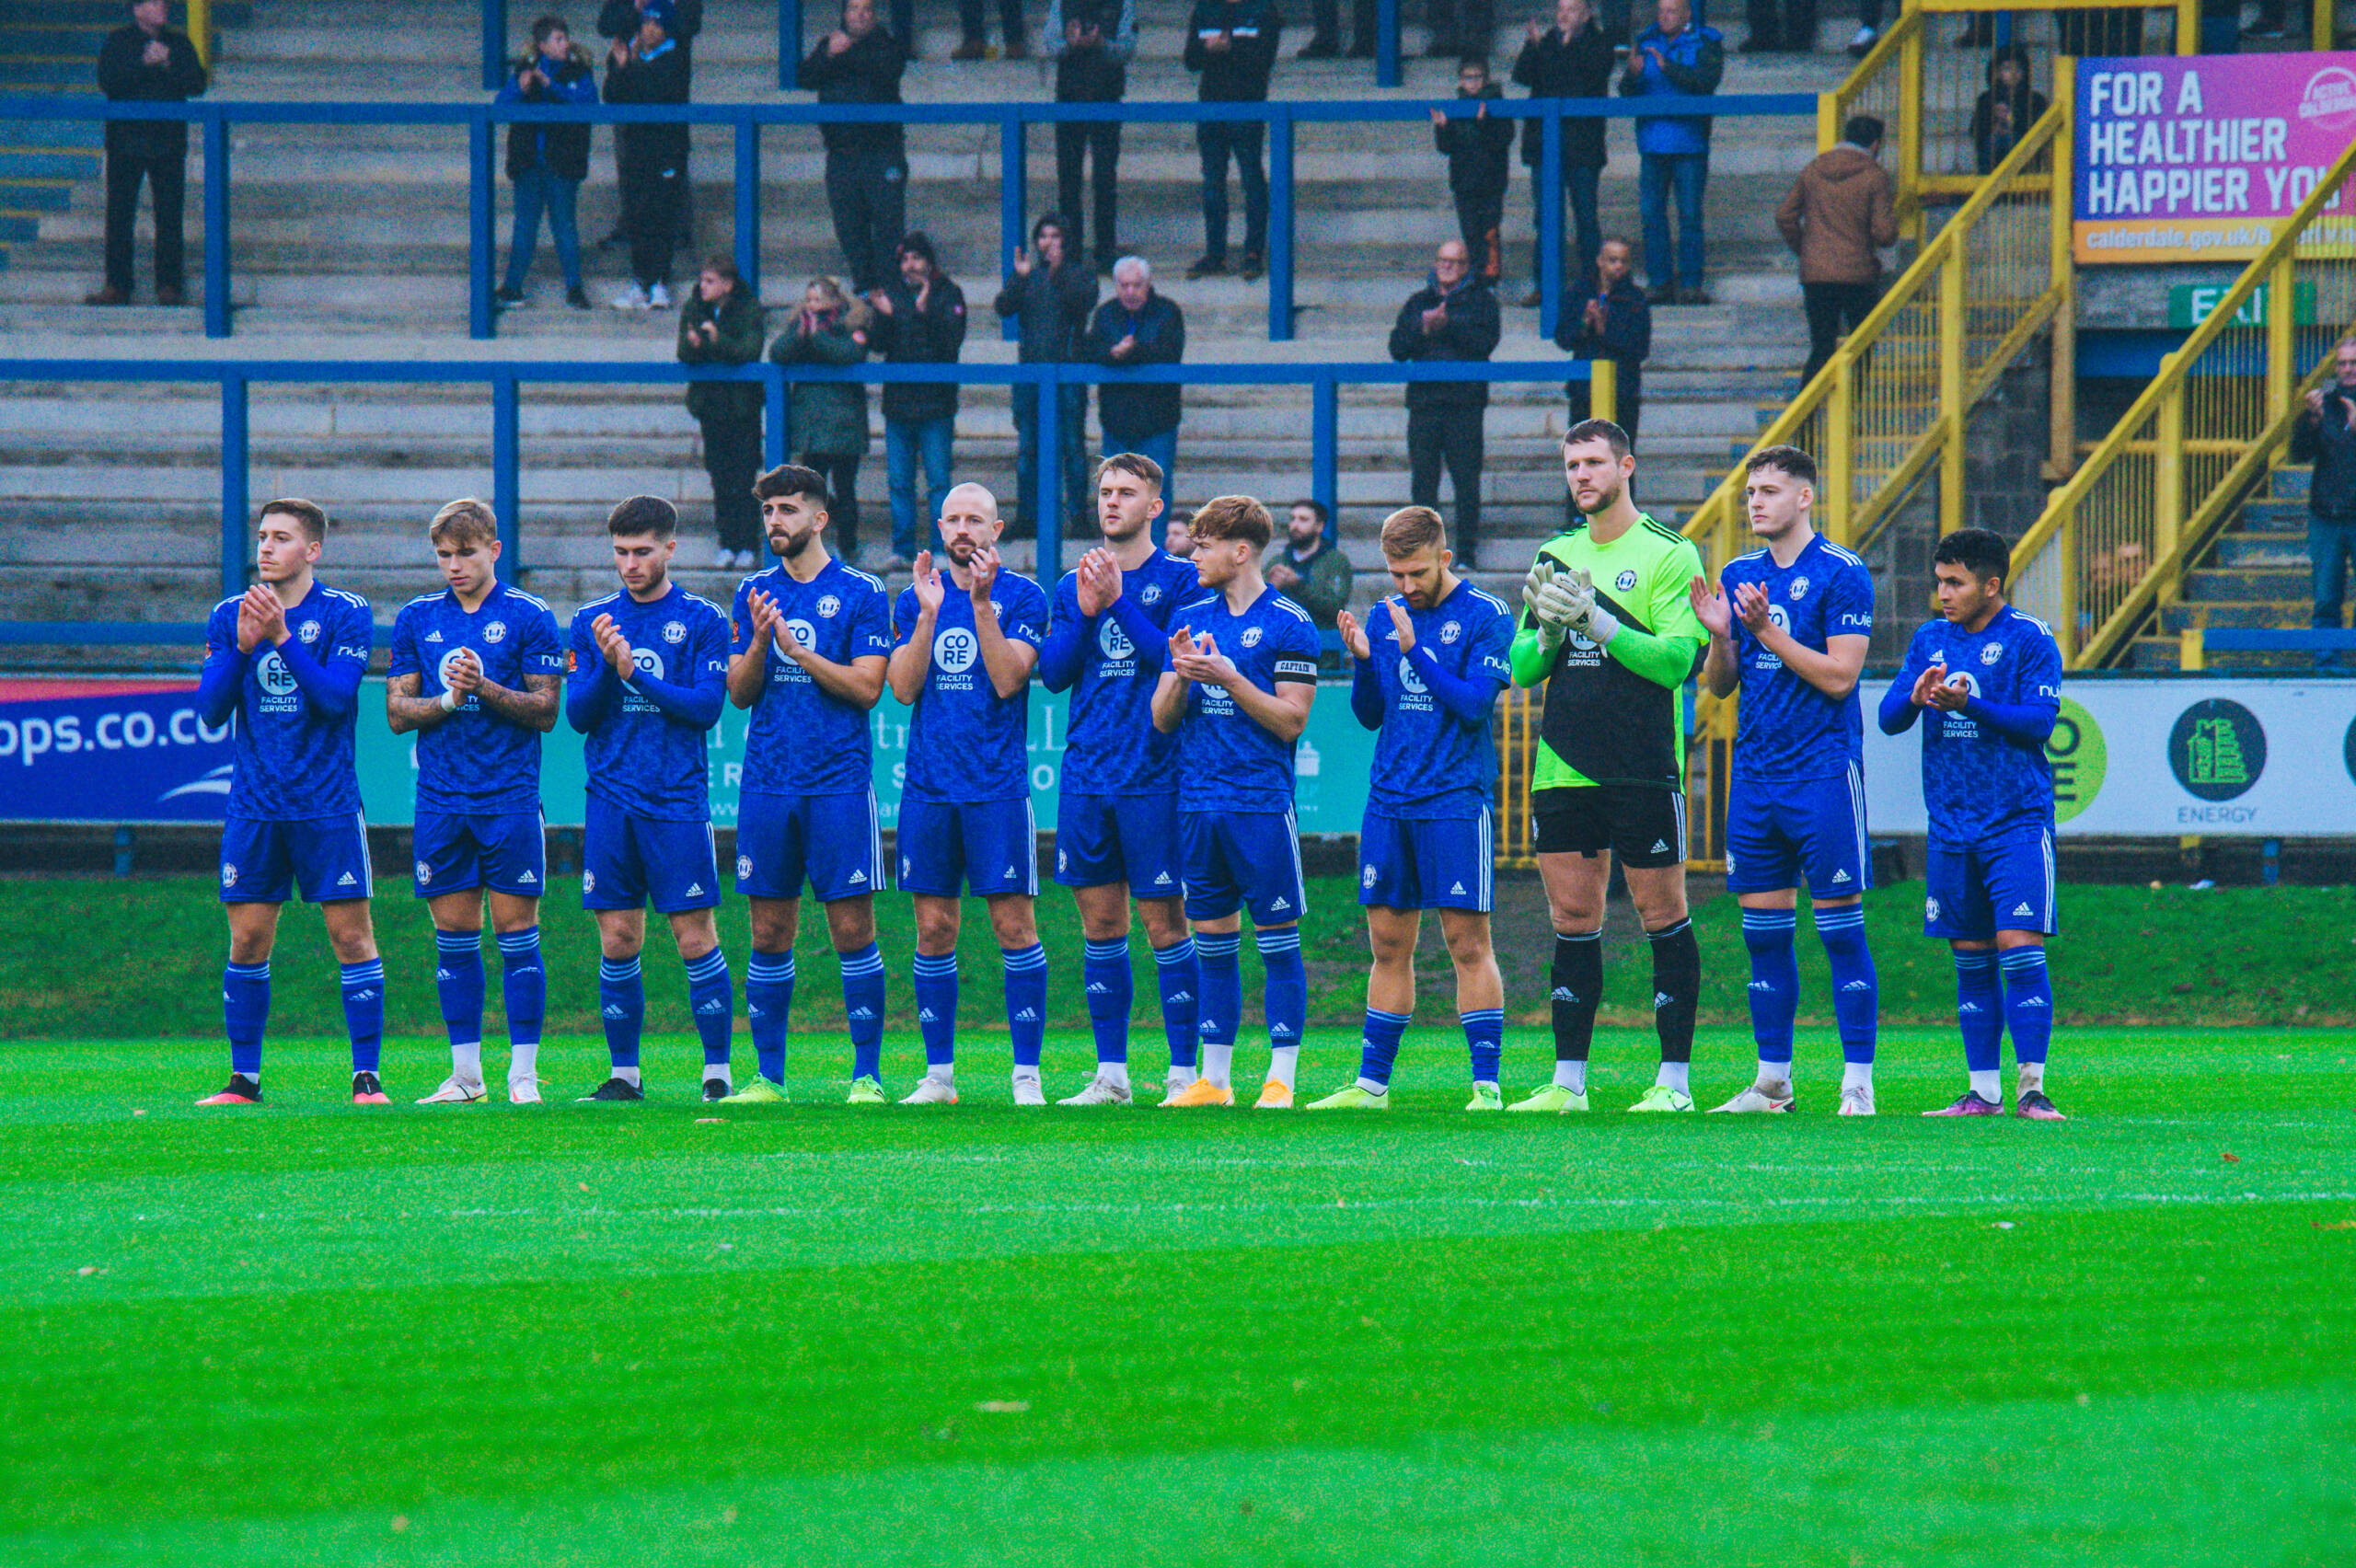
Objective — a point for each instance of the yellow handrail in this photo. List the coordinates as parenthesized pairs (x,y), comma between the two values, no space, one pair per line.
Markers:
(2164,481)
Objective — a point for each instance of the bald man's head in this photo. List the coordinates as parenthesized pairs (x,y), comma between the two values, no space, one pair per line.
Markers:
(969,521)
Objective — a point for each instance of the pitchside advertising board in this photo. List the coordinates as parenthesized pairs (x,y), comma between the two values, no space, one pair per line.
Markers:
(2201,158)
(102,750)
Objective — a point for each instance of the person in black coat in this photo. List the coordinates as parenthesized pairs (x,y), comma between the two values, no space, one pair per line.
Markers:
(919,319)
(619,19)
(1139,327)
(1050,293)
(1452,317)
(548,163)
(867,166)
(1570,60)
(2324,435)
(146,62)
(650,69)
(1476,148)
(1605,316)
(1232,45)
(1094,41)
(2006,111)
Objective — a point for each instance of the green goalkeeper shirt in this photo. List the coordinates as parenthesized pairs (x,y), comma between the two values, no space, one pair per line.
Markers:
(1611,712)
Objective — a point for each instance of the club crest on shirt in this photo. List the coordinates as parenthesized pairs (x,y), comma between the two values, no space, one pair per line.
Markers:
(1799,589)
(1449,631)
(1991,652)
(744,867)
(1624,582)
(829,607)
(308,631)
(495,633)
(674,632)
(1250,637)
(228,874)
(424,873)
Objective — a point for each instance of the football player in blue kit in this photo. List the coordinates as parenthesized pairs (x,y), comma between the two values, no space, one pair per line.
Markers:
(1429,664)
(966,644)
(649,671)
(476,675)
(1117,819)
(1991,678)
(812,638)
(1242,674)
(1789,626)
(284,660)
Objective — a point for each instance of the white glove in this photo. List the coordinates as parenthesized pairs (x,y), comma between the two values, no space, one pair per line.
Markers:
(1581,613)
(1534,586)
(1559,605)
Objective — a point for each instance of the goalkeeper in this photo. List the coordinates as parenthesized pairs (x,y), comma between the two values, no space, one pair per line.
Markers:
(1608,625)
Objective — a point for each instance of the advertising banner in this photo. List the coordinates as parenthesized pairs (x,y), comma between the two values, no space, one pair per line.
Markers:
(105,751)
(2251,758)
(2199,157)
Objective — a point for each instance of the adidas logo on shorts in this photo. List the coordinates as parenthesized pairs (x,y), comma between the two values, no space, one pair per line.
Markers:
(1161,880)
(857,877)
(1661,847)
(347,880)
(695,890)
(1279,903)
(1839,876)
(1457,888)
(2018,910)
(1010,870)
(527,877)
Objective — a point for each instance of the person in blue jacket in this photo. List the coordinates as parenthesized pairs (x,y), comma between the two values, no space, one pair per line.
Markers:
(1676,57)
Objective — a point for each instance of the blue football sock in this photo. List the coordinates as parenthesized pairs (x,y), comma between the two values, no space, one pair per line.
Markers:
(244,1009)
(2029,1003)
(621,1000)
(1979,1010)
(524,985)
(458,978)
(864,1010)
(1774,983)
(1112,990)
(1026,1001)
(1181,977)
(363,1011)
(1286,995)
(1856,989)
(1222,1007)
(1378,1039)
(769,1008)
(937,1008)
(711,996)
(1484,1038)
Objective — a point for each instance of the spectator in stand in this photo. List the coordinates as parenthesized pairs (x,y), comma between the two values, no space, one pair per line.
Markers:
(1051,293)
(1675,57)
(1476,148)
(619,19)
(146,62)
(548,163)
(650,69)
(1605,316)
(919,319)
(2324,435)
(1094,41)
(973,20)
(867,166)
(1178,534)
(1139,327)
(1452,317)
(1570,60)
(2006,111)
(1841,210)
(1234,44)
(828,418)
(720,324)
(1780,26)
(1311,570)
(1325,40)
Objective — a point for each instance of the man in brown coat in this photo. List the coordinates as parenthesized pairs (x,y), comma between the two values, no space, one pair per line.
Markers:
(1841,212)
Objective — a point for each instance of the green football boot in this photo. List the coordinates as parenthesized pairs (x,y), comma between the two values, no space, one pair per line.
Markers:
(760,1091)
(1485,1097)
(866,1091)
(1553,1097)
(1350,1097)
(1660,1097)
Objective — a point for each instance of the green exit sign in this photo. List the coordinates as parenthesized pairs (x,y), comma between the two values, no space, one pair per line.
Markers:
(2189,304)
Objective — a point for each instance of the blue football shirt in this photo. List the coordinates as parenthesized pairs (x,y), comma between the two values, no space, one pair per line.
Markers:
(292,761)
(1226,761)
(966,743)
(1788,731)
(475,760)
(1982,788)
(801,741)
(640,759)
(1109,745)
(1429,765)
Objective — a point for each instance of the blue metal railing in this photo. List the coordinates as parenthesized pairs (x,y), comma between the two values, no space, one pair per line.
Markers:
(505,379)
(1013,120)
(498,47)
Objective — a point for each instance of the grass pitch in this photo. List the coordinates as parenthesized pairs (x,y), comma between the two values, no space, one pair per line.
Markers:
(581,1335)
